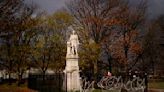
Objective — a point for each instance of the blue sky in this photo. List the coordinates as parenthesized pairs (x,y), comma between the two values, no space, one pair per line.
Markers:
(156,7)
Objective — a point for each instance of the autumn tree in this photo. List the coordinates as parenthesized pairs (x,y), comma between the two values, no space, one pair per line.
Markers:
(132,21)
(97,20)
(16,21)
(89,55)
(59,23)
(49,48)
(22,46)
(152,46)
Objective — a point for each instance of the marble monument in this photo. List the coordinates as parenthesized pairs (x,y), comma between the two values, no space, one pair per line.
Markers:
(72,76)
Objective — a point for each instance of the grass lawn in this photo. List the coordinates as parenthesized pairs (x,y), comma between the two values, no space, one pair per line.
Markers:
(14,88)
(156,85)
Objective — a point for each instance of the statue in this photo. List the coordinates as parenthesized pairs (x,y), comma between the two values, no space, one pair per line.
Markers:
(68,48)
(72,76)
(73,43)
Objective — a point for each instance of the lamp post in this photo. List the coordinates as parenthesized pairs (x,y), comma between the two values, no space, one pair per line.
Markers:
(146,82)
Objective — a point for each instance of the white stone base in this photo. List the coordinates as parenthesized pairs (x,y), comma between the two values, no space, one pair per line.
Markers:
(72,81)
(72,76)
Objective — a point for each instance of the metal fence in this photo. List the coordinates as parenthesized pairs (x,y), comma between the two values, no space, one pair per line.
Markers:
(54,83)
(46,83)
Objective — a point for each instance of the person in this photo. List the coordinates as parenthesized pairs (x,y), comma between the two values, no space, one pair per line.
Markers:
(109,74)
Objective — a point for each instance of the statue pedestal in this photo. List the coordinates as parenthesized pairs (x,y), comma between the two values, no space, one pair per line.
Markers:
(72,76)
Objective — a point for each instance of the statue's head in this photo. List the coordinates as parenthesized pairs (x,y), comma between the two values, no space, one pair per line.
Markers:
(73,32)
(71,28)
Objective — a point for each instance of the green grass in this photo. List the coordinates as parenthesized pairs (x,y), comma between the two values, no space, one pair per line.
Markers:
(156,85)
(97,90)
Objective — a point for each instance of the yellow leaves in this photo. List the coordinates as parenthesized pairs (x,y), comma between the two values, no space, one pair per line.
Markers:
(63,16)
(89,54)
(60,20)
(40,43)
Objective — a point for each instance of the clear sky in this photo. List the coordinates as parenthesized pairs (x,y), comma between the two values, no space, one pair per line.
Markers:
(156,7)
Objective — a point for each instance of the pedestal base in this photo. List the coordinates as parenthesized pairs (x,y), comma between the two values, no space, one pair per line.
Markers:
(72,81)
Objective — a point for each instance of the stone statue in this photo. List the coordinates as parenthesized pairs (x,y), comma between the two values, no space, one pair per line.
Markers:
(73,43)
(68,48)
(72,76)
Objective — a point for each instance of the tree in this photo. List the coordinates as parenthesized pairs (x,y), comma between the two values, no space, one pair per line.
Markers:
(58,23)
(16,21)
(130,26)
(152,45)
(96,18)
(89,55)
(125,42)
(22,46)
(49,48)
(99,19)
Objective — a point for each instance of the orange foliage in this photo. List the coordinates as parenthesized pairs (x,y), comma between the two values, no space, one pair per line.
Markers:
(136,48)
(117,48)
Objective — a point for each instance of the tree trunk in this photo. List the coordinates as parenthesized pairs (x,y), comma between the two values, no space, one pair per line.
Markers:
(109,58)
(20,79)
(44,75)
(110,64)
(10,78)
(95,70)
